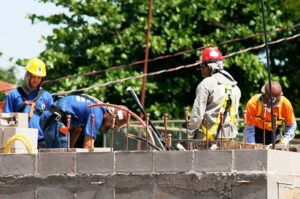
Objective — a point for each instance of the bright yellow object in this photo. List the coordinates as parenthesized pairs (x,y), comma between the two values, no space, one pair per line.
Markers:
(21,138)
(36,67)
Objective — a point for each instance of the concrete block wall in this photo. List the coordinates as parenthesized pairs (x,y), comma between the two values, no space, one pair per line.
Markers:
(237,174)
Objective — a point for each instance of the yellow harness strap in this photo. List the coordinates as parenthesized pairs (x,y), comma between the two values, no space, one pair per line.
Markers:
(222,109)
(259,107)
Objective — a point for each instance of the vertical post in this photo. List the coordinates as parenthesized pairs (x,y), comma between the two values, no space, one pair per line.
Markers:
(145,66)
(269,71)
(112,132)
(166,132)
(263,121)
(170,141)
(186,111)
(222,129)
(68,135)
(206,126)
(92,131)
(127,130)
(147,129)
(146,53)
(245,122)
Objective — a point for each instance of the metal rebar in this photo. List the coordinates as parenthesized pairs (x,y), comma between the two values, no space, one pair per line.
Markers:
(68,135)
(112,132)
(206,126)
(264,126)
(166,126)
(245,122)
(127,129)
(92,131)
(186,112)
(222,129)
(147,130)
(269,71)
(170,141)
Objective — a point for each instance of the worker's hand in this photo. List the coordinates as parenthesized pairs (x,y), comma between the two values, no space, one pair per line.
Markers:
(269,146)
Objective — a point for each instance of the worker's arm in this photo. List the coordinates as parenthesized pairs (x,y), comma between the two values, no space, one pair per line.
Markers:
(199,108)
(250,131)
(289,133)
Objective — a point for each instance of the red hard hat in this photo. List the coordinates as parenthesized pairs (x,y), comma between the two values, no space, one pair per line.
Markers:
(211,54)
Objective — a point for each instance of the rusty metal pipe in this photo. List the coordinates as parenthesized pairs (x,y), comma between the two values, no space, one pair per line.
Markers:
(263,121)
(170,141)
(68,135)
(166,126)
(127,129)
(128,111)
(112,132)
(222,129)
(245,122)
(147,130)
(92,131)
(206,126)
(186,112)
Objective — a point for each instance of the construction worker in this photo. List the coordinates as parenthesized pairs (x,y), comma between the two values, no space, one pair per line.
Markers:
(55,125)
(30,97)
(217,93)
(259,116)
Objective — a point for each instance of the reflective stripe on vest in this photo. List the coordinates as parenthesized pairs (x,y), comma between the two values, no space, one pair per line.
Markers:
(222,109)
(269,124)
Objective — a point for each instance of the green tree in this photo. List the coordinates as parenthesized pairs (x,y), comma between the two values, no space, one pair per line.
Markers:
(96,35)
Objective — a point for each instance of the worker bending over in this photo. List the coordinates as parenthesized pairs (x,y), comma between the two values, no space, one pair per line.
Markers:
(54,121)
(259,116)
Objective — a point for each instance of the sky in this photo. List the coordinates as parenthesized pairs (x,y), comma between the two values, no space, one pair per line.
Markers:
(18,37)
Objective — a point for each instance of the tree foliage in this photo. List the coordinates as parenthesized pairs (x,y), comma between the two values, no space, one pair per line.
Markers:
(98,34)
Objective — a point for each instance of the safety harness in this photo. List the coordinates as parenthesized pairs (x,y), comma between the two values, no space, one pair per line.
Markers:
(269,124)
(226,105)
(60,116)
(32,103)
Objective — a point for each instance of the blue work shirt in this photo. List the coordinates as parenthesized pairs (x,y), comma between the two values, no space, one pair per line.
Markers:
(14,102)
(77,107)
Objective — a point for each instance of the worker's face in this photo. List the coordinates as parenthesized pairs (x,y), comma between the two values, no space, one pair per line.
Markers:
(109,122)
(35,81)
(205,70)
(267,101)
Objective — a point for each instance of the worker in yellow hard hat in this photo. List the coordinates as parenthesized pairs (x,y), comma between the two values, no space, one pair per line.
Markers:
(30,97)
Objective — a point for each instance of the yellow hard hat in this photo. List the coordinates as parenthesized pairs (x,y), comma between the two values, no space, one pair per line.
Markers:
(36,67)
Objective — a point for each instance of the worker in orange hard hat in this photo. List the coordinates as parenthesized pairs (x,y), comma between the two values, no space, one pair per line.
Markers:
(217,93)
(259,116)
(30,97)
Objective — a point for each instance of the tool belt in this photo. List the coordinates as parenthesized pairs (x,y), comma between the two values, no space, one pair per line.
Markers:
(56,114)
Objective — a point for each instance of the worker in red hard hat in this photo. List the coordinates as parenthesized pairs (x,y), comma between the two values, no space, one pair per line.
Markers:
(259,116)
(217,93)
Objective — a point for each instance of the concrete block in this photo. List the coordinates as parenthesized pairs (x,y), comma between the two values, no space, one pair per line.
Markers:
(144,192)
(14,120)
(172,192)
(8,132)
(134,162)
(179,180)
(172,161)
(283,161)
(63,150)
(99,193)
(17,164)
(212,161)
(54,192)
(250,160)
(251,191)
(17,193)
(95,162)
(56,163)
